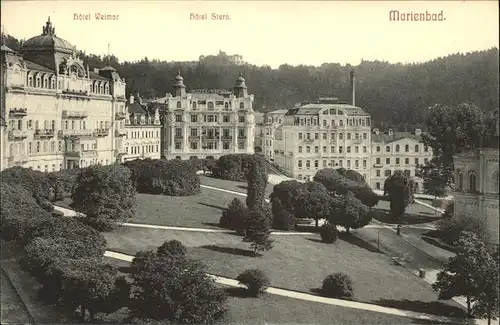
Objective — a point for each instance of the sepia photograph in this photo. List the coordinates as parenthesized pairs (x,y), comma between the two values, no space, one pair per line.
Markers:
(249,162)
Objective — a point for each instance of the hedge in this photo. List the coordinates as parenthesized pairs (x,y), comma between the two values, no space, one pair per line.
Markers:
(169,177)
(232,167)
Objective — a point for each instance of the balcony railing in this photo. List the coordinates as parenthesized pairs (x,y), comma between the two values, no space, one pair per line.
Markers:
(101,132)
(178,137)
(242,137)
(120,115)
(120,133)
(18,112)
(82,154)
(210,137)
(228,137)
(17,134)
(44,133)
(75,114)
(378,165)
(75,133)
(194,137)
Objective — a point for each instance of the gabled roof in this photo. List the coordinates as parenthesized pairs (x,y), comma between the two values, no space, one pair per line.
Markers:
(35,66)
(137,109)
(386,138)
(93,75)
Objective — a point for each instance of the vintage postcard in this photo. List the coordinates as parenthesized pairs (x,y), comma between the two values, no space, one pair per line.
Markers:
(249,162)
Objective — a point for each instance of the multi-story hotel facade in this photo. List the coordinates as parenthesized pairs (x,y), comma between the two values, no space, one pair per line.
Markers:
(207,123)
(476,187)
(393,151)
(58,113)
(265,132)
(323,134)
(142,131)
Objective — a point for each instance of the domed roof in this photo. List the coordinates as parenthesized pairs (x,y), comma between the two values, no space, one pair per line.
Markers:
(240,82)
(179,81)
(48,41)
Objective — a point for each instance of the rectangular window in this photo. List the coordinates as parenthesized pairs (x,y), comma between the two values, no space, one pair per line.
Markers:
(308,164)
(316,164)
(416,161)
(387,161)
(356,164)
(356,149)
(177,144)
(300,136)
(332,149)
(348,149)
(225,145)
(316,136)
(194,145)
(365,136)
(324,136)
(340,149)
(407,161)
(387,173)
(377,161)
(341,163)
(299,163)
(387,149)
(397,161)
(194,118)
(324,148)
(365,150)
(348,136)
(324,163)
(316,149)
(308,149)
(242,119)
(377,185)
(348,164)
(178,117)
(378,172)
(364,163)
(426,160)
(300,149)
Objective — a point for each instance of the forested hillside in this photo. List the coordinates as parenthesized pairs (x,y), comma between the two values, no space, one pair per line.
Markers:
(396,95)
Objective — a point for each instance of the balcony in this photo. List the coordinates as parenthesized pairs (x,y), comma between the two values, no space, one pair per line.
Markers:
(101,132)
(120,115)
(82,154)
(378,165)
(75,133)
(357,141)
(178,137)
(194,137)
(17,135)
(210,137)
(120,133)
(44,133)
(227,138)
(18,112)
(74,114)
(242,137)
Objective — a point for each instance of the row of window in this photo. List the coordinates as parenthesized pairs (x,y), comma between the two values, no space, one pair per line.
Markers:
(333,136)
(84,163)
(150,148)
(51,125)
(210,133)
(416,148)
(388,172)
(209,118)
(210,145)
(143,134)
(210,105)
(314,121)
(35,147)
(143,120)
(332,163)
(49,82)
(397,161)
(332,149)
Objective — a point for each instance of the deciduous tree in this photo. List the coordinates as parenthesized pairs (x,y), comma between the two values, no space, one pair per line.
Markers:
(400,189)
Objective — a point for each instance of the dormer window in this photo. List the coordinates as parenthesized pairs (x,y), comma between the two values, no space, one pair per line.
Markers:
(407,148)
(53,82)
(397,148)
(101,89)
(38,81)
(194,105)
(178,104)
(46,82)
(106,89)
(135,119)
(91,87)
(226,105)
(242,105)
(30,81)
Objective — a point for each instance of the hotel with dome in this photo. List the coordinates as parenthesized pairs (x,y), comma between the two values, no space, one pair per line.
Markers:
(56,112)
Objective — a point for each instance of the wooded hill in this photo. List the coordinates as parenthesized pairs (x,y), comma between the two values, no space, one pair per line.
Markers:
(396,95)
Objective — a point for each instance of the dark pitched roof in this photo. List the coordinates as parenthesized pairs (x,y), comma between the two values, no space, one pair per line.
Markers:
(315,108)
(94,75)
(386,138)
(35,66)
(137,109)
(7,49)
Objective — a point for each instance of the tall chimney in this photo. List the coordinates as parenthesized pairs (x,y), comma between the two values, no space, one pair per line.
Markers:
(131,99)
(353,87)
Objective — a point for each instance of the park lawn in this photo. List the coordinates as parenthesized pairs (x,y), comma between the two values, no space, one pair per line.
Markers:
(231,185)
(13,310)
(274,309)
(415,214)
(296,262)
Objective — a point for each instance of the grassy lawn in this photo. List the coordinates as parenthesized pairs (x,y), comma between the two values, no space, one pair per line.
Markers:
(13,310)
(230,185)
(415,214)
(273,309)
(296,262)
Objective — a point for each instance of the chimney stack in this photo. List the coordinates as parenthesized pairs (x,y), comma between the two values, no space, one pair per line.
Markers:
(390,132)
(376,131)
(353,87)
(418,132)
(131,99)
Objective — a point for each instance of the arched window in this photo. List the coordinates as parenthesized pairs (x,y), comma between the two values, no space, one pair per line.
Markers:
(242,105)
(397,148)
(194,104)
(38,81)
(106,89)
(91,87)
(416,148)
(210,105)
(53,82)
(178,104)
(101,89)
(460,180)
(226,105)
(407,148)
(45,82)
(472,182)
(30,80)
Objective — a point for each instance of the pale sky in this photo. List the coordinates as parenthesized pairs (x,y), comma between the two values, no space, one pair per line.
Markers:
(264,32)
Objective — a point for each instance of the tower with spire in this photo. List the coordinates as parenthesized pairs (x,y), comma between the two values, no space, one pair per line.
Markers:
(178,88)
(240,89)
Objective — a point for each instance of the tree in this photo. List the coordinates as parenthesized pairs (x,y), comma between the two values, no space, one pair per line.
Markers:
(284,203)
(258,231)
(435,178)
(172,248)
(256,176)
(169,286)
(349,212)
(313,202)
(255,280)
(461,277)
(234,216)
(486,298)
(105,195)
(400,189)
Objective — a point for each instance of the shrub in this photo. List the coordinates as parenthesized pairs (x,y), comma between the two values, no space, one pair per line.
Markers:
(284,203)
(44,203)
(170,177)
(57,214)
(256,176)
(338,285)
(255,280)
(105,196)
(232,167)
(19,213)
(167,291)
(90,242)
(234,216)
(258,231)
(452,228)
(64,181)
(172,248)
(328,233)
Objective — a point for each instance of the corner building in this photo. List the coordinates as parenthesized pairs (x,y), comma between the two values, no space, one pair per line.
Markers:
(58,113)
(323,134)
(207,123)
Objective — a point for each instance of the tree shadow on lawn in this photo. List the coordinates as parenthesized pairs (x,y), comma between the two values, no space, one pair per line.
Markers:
(440,308)
(231,250)
(238,292)
(212,206)
(407,219)
(243,187)
(353,240)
